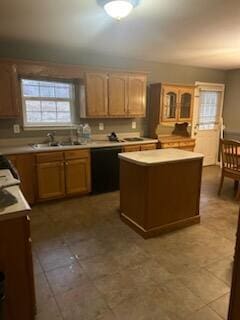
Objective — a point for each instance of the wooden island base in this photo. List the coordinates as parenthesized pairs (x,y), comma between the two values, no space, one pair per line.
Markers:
(160,197)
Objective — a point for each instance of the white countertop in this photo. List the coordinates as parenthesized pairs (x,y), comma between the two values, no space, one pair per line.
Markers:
(8,150)
(17,209)
(153,157)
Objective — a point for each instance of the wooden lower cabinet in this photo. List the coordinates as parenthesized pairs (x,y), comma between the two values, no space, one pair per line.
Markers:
(150,146)
(61,174)
(131,148)
(50,178)
(178,142)
(16,264)
(143,147)
(77,176)
(25,165)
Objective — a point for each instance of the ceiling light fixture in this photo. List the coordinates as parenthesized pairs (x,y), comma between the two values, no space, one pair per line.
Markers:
(119,9)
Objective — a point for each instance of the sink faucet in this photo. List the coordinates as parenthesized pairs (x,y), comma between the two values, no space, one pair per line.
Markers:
(51,136)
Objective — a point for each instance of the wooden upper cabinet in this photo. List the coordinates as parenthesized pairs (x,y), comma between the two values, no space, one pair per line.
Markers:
(9,103)
(112,95)
(177,103)
(136,95)
(96,94)
(185,104)
(118,94)
(169,103)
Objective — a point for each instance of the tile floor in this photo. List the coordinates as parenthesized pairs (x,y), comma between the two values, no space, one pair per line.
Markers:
(91,266)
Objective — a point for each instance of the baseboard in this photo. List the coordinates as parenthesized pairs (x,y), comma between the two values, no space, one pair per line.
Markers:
(154,232)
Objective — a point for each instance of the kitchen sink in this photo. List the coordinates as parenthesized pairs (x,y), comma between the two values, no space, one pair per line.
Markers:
(46,145)
(55,145)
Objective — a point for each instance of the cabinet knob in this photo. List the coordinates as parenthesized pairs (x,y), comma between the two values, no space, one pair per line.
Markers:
(66,163)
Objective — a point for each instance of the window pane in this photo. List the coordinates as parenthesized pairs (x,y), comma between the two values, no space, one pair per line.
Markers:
(63,117)
(208,110)
(34,117)
(50,101)
(48,106)
(49,116)
(62,92)
(63,106)
(47,91)
(33,82)
(32,105)
(30,91)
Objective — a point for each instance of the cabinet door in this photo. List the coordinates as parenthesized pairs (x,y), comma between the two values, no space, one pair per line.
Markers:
(118,96)
(97,94)
(77,175)
(149,146)
(9,103)
(25,166)
(51,182)
(169,104)
(136,96)
(16,264)
(132,148)
(185,104)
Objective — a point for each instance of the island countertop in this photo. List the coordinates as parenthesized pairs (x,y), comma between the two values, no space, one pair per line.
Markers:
(153,157)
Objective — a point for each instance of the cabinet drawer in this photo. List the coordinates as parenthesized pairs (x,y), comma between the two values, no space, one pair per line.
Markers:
(150,146)
(132,148)
(186,144)
(170,145)
(76,154)
(49,157)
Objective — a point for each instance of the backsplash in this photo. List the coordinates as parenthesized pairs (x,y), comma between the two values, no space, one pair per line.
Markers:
(117,125)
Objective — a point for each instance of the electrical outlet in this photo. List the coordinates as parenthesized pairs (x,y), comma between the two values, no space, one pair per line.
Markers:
(134,124)
(101,126)
(16,128)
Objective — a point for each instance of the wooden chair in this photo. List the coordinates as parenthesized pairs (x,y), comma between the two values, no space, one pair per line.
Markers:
(230,153)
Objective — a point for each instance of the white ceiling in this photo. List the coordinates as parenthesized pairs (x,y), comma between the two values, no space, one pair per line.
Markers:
(190,32)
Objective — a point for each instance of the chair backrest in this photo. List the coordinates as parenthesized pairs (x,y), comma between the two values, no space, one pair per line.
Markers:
(230,151)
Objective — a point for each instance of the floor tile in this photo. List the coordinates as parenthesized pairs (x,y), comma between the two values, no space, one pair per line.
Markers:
(204,314)
(221,305)
(56,258)
(82,303)
(203,284)
(66,278)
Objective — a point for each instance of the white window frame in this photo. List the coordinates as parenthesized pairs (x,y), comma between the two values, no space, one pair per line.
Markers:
(44,125)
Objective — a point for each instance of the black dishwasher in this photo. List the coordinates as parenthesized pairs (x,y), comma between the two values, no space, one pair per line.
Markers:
(105,169)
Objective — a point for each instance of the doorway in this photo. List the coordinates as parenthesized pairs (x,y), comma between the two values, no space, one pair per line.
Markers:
(207,120)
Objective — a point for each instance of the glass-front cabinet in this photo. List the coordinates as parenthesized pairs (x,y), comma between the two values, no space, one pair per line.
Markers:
(177,103)
(170,100)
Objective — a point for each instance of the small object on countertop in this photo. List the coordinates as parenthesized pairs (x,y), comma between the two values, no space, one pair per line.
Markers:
(113,137)
(6,199)
(180,129)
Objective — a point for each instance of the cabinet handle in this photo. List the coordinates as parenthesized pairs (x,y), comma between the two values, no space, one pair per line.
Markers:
(66,163)
(28,218)
(29,240)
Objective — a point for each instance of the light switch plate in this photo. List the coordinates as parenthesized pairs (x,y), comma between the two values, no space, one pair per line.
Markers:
(16,128)
(134,124)
(101,126)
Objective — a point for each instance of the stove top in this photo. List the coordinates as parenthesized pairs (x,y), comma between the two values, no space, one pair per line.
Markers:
(133,139)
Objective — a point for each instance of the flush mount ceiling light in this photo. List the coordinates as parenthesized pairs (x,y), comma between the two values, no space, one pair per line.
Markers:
(118,9)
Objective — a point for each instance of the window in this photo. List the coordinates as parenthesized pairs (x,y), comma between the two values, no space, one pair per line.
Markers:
(47,103)
(208,110)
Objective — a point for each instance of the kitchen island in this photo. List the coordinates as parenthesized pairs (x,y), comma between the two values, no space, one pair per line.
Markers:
(160,190)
